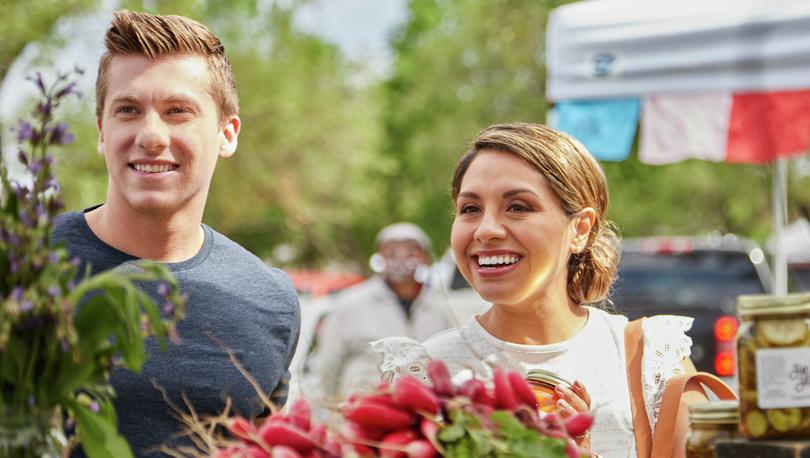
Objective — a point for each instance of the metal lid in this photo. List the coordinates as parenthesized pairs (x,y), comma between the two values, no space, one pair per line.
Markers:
(765,304)
(716,412)
(544,376)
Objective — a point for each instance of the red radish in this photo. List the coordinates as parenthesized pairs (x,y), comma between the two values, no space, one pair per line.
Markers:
(572,450)
(275,433)
(276,418)
(369,433)
(393,445)
(242,428)
(373,414)
(504,394)
(318,434)
(412,395)
(385,399)
(523,392)
(300,414)
(282,451)
(578,424)
(363,450)
(440,377)
(477,392)
(332,446)
(254,451)
(420,448)
(430,430)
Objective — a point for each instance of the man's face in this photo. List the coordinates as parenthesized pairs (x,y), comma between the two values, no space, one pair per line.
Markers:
(401,259)
(160,133)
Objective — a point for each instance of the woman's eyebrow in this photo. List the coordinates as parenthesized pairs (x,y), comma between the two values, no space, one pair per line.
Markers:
(514,192)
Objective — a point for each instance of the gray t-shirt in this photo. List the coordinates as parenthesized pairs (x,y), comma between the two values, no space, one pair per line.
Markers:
(235,301)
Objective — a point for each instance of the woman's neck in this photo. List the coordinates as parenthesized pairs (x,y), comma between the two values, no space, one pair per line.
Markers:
(542,323)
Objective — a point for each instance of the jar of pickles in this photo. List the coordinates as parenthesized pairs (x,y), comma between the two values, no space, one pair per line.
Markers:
(544,384)
(773,350)
(708,423)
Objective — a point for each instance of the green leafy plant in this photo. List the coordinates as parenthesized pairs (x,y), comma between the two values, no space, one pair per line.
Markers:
(62,331)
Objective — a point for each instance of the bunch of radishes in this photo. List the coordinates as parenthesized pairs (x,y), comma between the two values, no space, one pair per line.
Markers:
(401,420)
(404,420)
(293,435)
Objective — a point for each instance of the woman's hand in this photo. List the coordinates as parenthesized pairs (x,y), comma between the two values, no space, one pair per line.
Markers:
(573,401)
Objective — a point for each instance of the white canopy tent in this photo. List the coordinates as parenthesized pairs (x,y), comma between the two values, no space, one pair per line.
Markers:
(602,49)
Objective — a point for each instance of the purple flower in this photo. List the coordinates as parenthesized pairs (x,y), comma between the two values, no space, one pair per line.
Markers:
(25,218)
(71,285)
(168,308)
(67,90)
(26,305)
(53,257)
(40,212)
(20,190)
(65,346)
(54,291)
(94,407)
(48,159)
(60,135)
(163,289)
(44,109)
(17,293)
(25,131)
(38,80)
(35,167)
(51,183)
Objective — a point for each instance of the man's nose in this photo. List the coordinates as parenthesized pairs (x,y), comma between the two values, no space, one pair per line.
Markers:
(154,134)
(490,228)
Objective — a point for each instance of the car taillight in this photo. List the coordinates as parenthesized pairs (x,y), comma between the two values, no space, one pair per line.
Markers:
(725,328)
(725,334)
(724,363)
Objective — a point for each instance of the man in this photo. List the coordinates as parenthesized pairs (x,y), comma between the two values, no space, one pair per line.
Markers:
(397,302)
(167,110)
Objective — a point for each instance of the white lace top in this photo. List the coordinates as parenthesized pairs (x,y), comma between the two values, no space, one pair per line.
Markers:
(595,356)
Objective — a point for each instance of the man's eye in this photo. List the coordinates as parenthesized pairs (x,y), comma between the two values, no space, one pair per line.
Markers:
(178,110)
(126,109)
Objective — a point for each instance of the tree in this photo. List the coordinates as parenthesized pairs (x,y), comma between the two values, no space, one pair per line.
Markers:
(23,22)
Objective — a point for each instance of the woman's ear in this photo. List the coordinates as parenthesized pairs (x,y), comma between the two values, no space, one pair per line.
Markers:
(582,222)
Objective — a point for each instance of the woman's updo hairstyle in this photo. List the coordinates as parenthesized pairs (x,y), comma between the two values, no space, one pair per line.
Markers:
(578,181)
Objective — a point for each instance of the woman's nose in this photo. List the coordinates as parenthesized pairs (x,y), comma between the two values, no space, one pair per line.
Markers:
(490,228)
(153,136)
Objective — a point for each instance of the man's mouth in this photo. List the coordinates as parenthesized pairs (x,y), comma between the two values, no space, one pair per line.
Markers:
(154,168)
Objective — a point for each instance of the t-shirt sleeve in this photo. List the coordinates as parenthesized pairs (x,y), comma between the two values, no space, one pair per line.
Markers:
(292,305)
(665,346)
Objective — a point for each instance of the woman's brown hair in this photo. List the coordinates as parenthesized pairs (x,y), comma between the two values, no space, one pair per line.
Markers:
(578,181)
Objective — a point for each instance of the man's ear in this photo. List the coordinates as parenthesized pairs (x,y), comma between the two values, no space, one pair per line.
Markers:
(100,145)
(582,223)
(229,137)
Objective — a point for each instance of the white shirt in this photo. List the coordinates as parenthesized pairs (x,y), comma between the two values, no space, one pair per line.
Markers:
(595,356)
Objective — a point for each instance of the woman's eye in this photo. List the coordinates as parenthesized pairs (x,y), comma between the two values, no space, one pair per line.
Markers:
(518,208)
(467,209)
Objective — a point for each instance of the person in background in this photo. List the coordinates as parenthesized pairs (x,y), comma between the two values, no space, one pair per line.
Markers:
(530,235)
(167,111)
(395,301)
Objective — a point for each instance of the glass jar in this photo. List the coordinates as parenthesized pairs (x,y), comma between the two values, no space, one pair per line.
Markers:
(708,423)
(544,384)
(773,351)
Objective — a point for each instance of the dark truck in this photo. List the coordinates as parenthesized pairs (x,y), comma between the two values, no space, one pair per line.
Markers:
(698,277)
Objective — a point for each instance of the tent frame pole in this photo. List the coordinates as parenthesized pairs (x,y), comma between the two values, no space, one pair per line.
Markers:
(779,204)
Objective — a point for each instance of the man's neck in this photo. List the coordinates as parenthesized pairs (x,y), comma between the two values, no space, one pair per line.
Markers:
(165,238)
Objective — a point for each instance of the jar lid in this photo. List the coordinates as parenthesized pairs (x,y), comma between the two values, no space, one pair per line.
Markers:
(540,375)
(715,412)
(765,304)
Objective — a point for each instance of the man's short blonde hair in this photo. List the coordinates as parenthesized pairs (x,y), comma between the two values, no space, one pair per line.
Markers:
(155,36)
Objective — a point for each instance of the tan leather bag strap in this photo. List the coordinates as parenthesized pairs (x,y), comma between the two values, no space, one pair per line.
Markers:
(634,350)
(670,402)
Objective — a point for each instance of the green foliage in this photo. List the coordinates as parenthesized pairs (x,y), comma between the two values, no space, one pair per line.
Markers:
(465,437)
(58,337)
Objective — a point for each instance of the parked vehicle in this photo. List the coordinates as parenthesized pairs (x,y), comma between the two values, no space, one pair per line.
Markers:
(699,277)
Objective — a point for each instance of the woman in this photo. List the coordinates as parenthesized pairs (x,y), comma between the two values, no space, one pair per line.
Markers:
(530,236)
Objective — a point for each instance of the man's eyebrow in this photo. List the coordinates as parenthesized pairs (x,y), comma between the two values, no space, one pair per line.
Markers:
(126,98)
(183,100)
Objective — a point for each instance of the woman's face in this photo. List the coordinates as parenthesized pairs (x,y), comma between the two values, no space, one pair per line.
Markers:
(510,236)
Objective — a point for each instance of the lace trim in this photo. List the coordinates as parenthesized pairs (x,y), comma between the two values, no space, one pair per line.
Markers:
(400,356)
(665,345)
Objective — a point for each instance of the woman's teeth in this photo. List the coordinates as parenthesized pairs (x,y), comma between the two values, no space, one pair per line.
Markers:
(497,260)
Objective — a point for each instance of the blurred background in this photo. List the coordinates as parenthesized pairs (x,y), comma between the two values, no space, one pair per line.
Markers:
(354,112)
